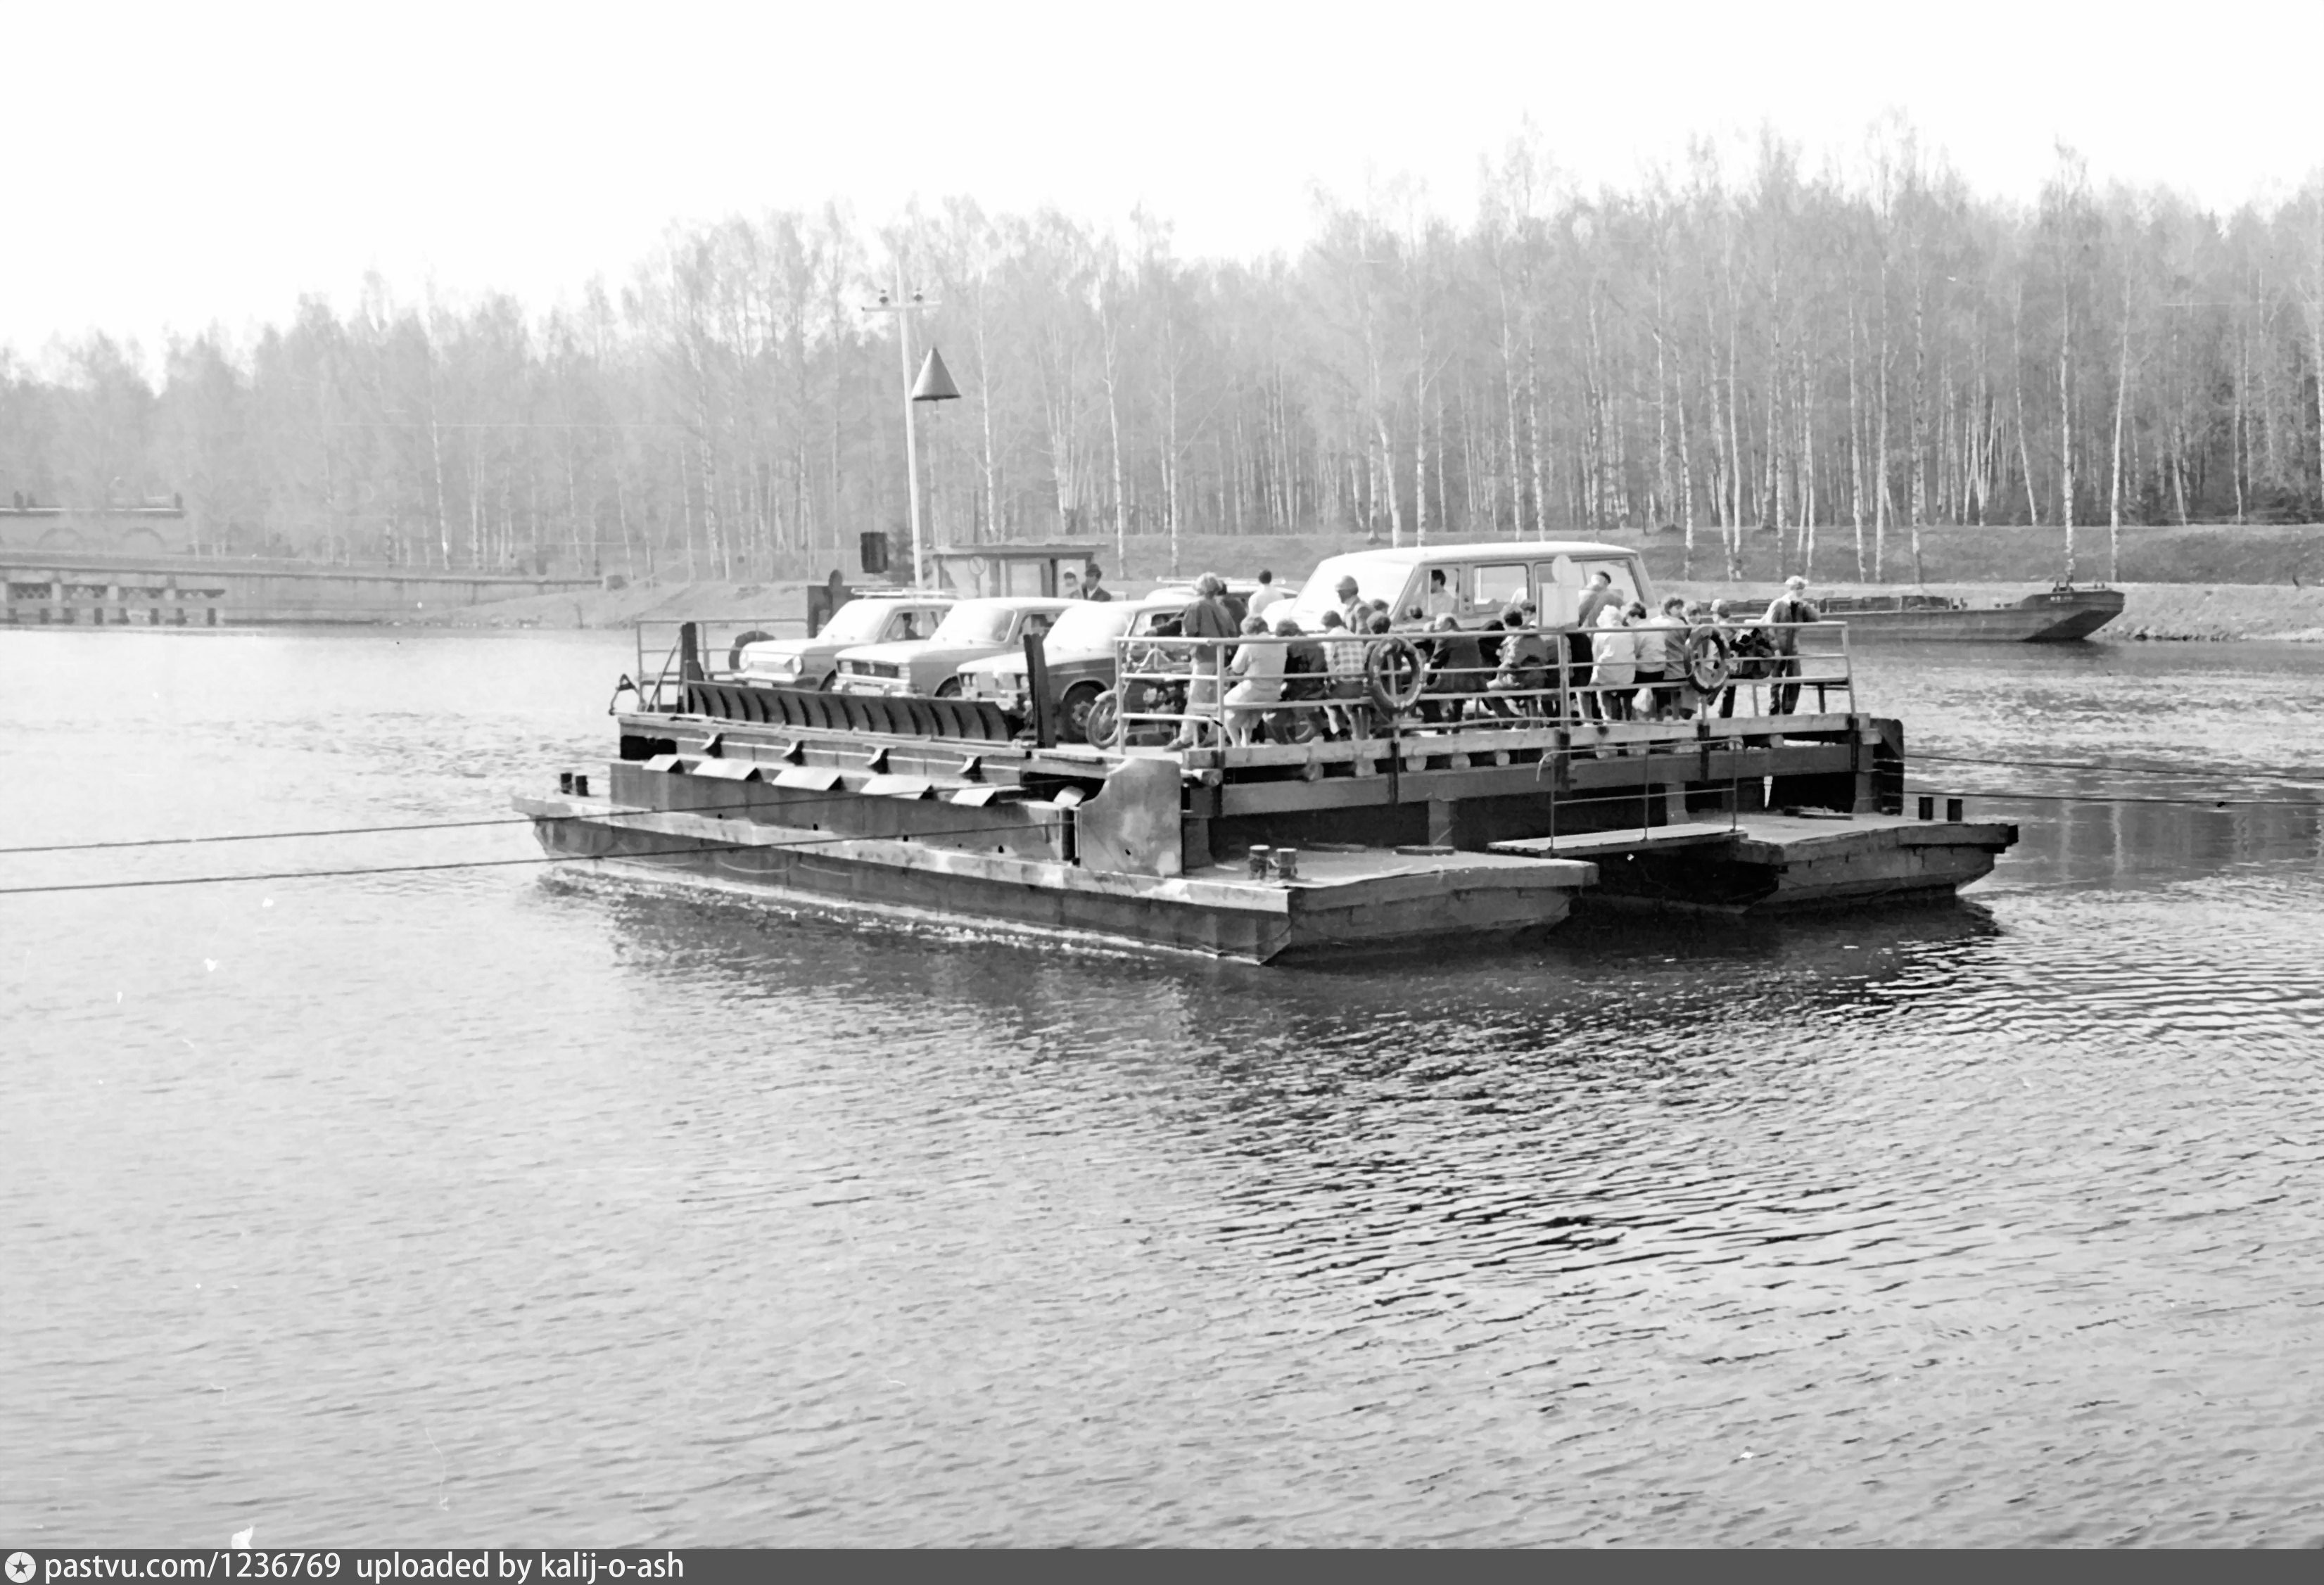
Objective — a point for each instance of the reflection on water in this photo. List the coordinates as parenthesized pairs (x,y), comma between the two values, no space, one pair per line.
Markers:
(509,1203)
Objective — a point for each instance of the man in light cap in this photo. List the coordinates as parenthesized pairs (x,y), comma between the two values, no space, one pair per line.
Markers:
(1784,613)
(1351,605)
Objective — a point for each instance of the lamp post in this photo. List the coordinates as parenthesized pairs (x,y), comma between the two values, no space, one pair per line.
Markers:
(934,385)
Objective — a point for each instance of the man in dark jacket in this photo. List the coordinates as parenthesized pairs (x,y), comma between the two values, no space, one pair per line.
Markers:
(1456,672)
(1786,609)
(1525,666)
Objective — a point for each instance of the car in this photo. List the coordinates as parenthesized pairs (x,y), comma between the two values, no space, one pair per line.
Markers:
(1239,596)
(1472,583)
(1082,658)
(888,616)
(971,631)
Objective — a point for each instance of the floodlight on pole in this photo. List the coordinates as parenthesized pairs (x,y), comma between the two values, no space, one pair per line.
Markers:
(902,308)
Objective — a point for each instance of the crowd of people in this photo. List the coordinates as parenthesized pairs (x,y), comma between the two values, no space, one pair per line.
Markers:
(1622,662)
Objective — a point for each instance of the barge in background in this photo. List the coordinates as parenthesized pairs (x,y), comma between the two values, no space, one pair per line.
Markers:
(1468,810)
(2053,616)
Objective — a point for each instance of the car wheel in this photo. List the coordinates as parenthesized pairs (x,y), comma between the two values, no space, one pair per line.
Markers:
(830,682)
(949,689)
(1073,712)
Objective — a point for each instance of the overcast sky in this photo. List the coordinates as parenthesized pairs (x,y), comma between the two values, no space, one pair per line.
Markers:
(209,163)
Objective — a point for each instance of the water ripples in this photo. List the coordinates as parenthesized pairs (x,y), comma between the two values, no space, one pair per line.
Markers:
(417,1207)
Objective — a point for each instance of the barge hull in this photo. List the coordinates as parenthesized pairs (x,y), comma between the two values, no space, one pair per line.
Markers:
(1775,862)
(1343,903)
(2038,619)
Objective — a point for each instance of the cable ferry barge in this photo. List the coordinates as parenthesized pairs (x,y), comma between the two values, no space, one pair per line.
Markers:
(1475,768)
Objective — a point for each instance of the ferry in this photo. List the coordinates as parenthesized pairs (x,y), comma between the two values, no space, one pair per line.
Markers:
(1382,798)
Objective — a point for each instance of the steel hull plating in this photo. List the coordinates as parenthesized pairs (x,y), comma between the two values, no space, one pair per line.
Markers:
(1351,901)
(2039,619)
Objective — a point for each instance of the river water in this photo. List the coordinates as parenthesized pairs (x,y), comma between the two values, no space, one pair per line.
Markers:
(498,1205)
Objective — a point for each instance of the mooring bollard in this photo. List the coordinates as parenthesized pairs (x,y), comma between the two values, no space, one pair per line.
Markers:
(1954,810)
(1287,863)
(1928,808)
(565,782)
(1258,856)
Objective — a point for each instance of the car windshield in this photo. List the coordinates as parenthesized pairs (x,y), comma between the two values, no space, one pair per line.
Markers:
(978,621)
(1375,580)
(858,622)
(1089,626)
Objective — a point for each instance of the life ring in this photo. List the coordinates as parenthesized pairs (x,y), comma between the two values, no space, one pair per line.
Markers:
(1394,674)
(735,655)
(1709,660)
(1102,727)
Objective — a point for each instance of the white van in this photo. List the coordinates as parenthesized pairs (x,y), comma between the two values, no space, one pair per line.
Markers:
(1474,583)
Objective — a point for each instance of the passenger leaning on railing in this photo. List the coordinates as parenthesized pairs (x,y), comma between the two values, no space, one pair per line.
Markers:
(1260,666)
(1205,618)
(1516,686)
(1303,684)
(1722,622)
(1614,666)
(1456,673)
(1344,660)
(1599,596)
(1670,625)
(1652,643)
(1787,610)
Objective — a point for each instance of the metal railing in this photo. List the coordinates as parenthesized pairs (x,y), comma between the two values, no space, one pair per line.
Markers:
(1190,693)
(1185,693)
(672,652)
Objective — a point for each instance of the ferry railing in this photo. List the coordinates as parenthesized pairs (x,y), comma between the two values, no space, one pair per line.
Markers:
(672,652)
(1190,693)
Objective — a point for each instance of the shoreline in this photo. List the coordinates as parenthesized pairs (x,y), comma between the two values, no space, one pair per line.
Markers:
(2152,612)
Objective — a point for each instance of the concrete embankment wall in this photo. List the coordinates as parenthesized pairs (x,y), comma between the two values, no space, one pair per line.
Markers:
(115,591)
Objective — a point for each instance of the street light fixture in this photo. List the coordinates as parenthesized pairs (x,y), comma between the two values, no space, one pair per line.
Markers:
(934,385)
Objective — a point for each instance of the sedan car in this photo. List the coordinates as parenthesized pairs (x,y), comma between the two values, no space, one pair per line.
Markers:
(1080,650)
(971,631)
(901,617)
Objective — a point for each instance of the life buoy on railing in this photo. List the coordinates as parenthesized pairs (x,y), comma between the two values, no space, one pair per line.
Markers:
(1394,675)
(1709,660)
(1102,727)
(742,642)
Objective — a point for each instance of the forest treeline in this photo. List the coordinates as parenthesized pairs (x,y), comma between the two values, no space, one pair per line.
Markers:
(1839,359)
